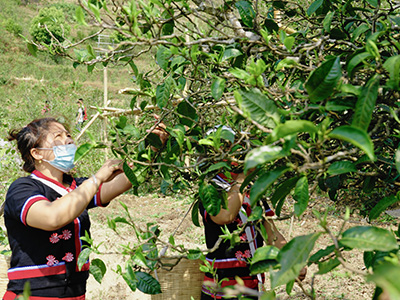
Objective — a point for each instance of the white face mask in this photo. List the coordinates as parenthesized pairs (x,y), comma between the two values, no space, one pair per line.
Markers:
(63,157)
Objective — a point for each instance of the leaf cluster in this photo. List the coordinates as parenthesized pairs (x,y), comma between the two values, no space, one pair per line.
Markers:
(312,99)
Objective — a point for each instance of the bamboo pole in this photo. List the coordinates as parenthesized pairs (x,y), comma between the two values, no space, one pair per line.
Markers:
(105,122)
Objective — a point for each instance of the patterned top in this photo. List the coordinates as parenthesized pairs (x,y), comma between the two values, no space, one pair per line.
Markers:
(48,259)
(230,262)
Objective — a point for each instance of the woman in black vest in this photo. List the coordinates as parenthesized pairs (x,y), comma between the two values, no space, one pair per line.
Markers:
(46,212)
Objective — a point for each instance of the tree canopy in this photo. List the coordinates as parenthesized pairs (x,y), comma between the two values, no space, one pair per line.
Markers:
(311,91)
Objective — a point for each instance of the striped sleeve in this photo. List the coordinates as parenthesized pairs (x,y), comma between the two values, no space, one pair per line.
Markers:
(21,195)
(27,205)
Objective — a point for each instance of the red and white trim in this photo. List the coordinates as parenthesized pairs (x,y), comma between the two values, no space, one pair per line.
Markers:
(28,203)
(36,271)
(55,185)
(227,263)
(12,296)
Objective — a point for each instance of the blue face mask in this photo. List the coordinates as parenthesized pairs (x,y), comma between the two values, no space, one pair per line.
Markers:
(63,157)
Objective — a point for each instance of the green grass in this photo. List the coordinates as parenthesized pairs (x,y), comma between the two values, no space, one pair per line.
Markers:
(27,82)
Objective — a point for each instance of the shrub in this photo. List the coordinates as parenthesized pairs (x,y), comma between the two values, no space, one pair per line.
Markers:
(13,27)
(54,20)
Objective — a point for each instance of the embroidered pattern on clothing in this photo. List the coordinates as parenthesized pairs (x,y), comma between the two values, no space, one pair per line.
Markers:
(51,260)
(55,238)
(68,257)
(66,234)
(242,256)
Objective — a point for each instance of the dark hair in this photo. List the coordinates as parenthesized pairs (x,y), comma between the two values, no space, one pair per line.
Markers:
(30,137)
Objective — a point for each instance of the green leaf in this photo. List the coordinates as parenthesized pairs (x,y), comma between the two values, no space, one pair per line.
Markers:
(350,89)
(246,12)
(293,257)
(386,275)
(264,182)
(314,7)
(163,57)
(163,92)
(83,257)
(283,190)
(217,88)
(262,155)
(210,198)
(256,106)
(392,65)
(366,103)
(90,68)
(80,16)
(32,49)
(91,52)
(293,127)
(130,174)
(373,3)
(195,214)
(154,140)
(368,238)
(301,195)
(82,151)
(230,53)
(381,206)
(130,277)
(263,259)
(239,73)
(359,31)
(189,115)
(95,10)
(356,60)
(289,286)
(168,27)
(327,266)
(97,269)
(288,42)
(323,80)
(320,254)
(326,23)
(121,220)
(269,295)
(341,167)
(355,136)
(147,284)
(286,63)
(372,48)
(139,258)
(219,165)
(194,254)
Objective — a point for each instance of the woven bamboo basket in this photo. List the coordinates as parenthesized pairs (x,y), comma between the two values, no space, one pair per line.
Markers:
(182,282)
(4,265)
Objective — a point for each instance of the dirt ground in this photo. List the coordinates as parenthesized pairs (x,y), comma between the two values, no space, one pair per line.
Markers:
(167,212)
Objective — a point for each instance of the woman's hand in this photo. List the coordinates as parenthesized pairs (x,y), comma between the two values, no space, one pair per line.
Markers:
(110,169)
(239,178)
(161,131)
(303,273)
